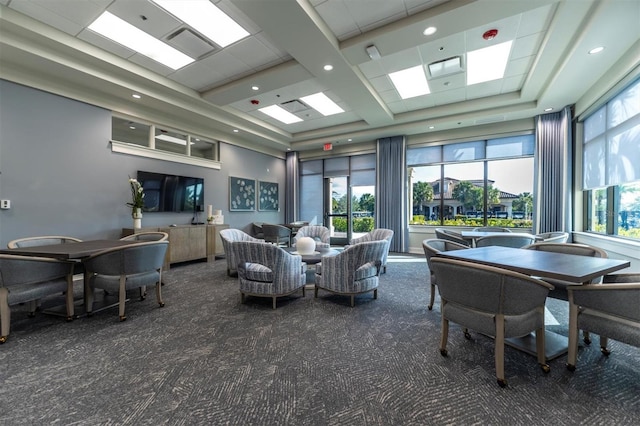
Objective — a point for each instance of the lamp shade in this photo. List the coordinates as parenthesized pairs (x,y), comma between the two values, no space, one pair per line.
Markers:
(306,245)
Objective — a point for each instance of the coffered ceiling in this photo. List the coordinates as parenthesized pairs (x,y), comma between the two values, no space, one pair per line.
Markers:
(46,44)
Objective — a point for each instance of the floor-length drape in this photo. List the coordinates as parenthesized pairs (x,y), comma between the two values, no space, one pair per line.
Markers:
(292,185)
(552,172)
(391,194)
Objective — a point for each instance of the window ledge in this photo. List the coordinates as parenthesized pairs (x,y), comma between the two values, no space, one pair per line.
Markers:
(141,151)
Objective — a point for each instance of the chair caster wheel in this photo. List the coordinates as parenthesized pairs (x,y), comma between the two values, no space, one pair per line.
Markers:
(162,305)
(467,335)
(123,318)
(502,383)
(571,367)
(69,319)
(545,368)
(605,351)
(443,352)
(430,307)
(3,339)
(587,340)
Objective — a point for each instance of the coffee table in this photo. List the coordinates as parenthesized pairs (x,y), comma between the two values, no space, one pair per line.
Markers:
(312,259)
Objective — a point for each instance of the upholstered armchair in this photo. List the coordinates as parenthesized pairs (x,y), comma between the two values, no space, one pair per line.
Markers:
(41,241)
(119,269)
(266,270)
(147,236)
(431,248)
(445,234)
(554,237)
(492,301)
(277,234)
(228,236)
(353,271)
(320,234)
(611,310)
(506,239)
(25,279)
(377,235)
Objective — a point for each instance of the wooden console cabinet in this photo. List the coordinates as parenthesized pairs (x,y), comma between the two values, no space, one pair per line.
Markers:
(188,242)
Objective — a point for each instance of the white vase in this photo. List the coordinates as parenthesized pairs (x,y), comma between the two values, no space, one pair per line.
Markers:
(137,218)
(306,245)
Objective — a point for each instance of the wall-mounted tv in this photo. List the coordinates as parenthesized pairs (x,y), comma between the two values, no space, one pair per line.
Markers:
(171,193)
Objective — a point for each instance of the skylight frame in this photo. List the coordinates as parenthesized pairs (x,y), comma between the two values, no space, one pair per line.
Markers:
(207,19)
(488,63)
(280,114)
(120,31)
(410,82)
(322,103)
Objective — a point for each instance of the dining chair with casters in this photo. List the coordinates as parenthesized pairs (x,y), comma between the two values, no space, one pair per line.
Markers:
(266,270)
(553,237)
(119,269)
(353,271)
(377,234)
(319,233)
(147,236)
(25,279)
(228,236)
(506,240)
(277,234)
(491,229)
(492,301)
(431,247)
(445,234)
(611,310)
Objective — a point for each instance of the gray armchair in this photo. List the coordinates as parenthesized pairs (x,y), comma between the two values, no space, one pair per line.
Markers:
(231,235)
(320,234)
(377,234)
(41,241)
(491,229)
(507,239)
(554,237)
(124,268)
(266,270)
(26,279)
(431,248)
(611,310)
(493,301)
(277,234)
(147,236)
(353,271)
(445,234)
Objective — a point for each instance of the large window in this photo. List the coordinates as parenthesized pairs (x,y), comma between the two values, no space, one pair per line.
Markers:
(611,164)
(487,182)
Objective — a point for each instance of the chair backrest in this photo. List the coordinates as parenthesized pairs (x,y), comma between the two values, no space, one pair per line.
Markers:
(127,260)
(491,229)
(147,236)
(554,237)
(317,232)
(488,289)
(19,270)
(433,246)
(445,234)
(275,233)
(506,240)
(41,241)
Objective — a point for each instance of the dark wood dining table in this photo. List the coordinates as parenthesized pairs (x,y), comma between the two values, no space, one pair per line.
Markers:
(560,266)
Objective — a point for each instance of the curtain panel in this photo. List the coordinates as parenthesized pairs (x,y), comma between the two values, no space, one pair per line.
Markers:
(552,172)
(292,185)
(391,194)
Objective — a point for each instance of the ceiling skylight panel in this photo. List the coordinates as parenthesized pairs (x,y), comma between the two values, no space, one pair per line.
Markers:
(114,28)
(488,63)
(321,103)
(280,114)
(411,82)
(206,18)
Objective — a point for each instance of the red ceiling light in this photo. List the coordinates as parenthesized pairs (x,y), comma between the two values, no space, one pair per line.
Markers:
(490,34)
(254,102)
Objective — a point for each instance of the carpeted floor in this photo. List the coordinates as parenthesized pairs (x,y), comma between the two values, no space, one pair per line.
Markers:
(206,359)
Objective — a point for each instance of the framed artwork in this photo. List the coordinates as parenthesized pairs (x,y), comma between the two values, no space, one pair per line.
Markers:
(268,197)
(242,194)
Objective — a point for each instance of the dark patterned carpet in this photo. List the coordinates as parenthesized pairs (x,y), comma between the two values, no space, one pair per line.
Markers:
(207,359)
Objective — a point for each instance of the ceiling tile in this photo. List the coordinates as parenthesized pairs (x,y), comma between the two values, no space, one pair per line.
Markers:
(69,16)
(251,52)
(106,44)
(225,64)
(197,76)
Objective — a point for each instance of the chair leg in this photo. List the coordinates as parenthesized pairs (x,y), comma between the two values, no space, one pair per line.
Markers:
(541,351)
(274,302)
(375,294)
(315,292)
(5,314)
(353,300)
(433,296)
(444,336)
(122,297)
(499,350)
(69,298)
(572,355)
(603,346)
(241,297)
(586,337)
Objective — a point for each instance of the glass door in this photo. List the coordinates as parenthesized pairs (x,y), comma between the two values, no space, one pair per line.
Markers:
(337,209)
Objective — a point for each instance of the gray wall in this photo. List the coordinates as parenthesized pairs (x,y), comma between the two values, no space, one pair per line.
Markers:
(57,168)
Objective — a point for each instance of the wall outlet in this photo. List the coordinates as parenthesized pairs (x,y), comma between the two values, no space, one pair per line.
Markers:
(5,204)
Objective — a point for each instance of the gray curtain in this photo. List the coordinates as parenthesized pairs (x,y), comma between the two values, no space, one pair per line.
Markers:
(391,194)
(552,172)
(292,184)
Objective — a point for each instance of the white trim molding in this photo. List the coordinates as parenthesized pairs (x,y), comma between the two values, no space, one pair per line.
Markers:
(141,151)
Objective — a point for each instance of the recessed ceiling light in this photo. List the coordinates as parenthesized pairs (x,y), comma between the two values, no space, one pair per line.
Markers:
(210,21)
(328,67)
(321,103)
(349,140)
(280,114)
(235,130)
(432,127)
(132,127)
(596,50)
(135,95)
(548,109)
(410,82)
(255,88)
(120,31)
(429,31)
(172,139)
(488,63)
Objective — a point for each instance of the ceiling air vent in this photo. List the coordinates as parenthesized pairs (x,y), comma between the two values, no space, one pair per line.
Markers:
(190,43)
(445,67)
(295,106)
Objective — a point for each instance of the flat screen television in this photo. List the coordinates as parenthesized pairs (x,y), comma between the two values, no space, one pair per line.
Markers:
(171,193)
